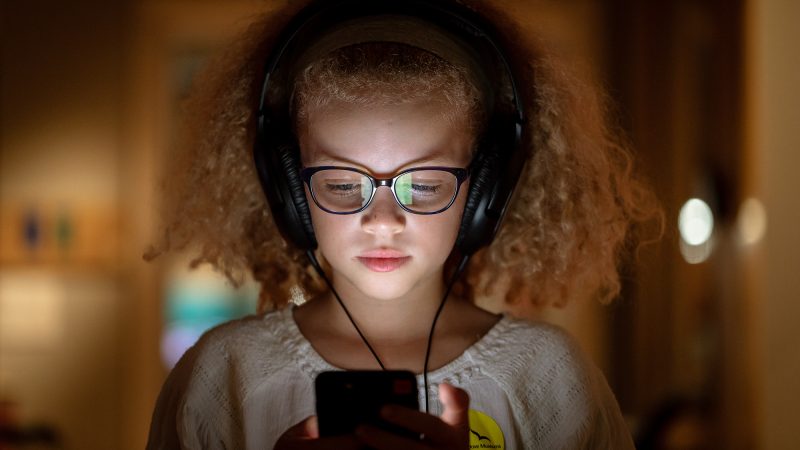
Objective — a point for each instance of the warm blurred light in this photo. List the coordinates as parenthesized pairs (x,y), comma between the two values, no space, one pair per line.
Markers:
(751,223)
(31,310)
(695,254)
(695,222)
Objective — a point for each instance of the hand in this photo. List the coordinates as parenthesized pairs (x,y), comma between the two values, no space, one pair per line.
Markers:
(448,432)
(305,436)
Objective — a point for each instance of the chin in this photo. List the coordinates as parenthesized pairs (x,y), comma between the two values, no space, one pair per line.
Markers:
(382,287)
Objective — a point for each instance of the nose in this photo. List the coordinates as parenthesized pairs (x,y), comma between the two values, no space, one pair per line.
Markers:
(384,216)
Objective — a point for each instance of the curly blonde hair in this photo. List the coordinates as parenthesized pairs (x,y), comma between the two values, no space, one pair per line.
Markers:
(577,206)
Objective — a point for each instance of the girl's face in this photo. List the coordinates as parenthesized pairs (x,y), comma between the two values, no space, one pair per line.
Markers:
(382,141)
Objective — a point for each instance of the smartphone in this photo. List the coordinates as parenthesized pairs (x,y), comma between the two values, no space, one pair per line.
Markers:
(345,399)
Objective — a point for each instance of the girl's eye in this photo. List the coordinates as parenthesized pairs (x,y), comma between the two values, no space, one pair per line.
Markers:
(343,188)
(426,188)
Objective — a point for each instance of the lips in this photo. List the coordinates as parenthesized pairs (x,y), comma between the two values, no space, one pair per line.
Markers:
(383,260)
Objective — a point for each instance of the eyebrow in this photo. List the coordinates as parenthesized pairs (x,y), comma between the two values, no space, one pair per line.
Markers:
(324,159)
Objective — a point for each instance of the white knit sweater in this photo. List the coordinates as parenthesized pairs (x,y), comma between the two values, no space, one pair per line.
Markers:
(247,381)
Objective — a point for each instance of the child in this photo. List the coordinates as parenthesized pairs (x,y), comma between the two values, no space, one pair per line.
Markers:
(389,137)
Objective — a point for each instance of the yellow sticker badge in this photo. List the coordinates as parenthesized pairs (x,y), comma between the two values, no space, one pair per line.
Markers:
(484,432)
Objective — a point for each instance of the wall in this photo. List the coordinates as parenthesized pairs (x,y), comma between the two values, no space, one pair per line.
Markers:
(774,97)
(62,72)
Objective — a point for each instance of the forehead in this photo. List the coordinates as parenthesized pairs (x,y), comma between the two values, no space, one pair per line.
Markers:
(384,139)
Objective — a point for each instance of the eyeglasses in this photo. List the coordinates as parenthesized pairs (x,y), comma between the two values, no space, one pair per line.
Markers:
(347,190)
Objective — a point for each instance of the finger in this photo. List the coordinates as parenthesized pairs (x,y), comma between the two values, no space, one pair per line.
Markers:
(456,405)
(348,442)
(305,436)
(418,422)
(311,427)
(384,440)
(410,418)
(307,428)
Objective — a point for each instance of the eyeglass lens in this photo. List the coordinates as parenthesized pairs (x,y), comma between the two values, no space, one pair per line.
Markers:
(422,191)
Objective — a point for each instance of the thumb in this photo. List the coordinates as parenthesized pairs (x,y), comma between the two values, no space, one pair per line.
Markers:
(307,429)
(456,405)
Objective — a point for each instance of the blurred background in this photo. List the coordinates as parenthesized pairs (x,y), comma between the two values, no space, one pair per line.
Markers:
(701,349)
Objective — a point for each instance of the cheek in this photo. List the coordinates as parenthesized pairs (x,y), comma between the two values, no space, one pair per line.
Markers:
(456,212)
(458,205)
(441,230)
(324,224)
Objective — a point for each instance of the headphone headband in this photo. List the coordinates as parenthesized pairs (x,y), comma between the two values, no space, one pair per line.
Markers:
(470,33)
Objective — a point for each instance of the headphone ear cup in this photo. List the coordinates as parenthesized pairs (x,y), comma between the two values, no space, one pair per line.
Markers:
(472,233)
(290,168)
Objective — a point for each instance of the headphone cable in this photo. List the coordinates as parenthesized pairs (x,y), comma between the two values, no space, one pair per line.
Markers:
(456,274)
(315,263)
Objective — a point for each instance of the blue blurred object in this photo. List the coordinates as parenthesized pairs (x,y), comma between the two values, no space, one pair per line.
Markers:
(196,302)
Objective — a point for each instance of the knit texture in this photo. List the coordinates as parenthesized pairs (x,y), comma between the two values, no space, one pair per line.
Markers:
(245,382)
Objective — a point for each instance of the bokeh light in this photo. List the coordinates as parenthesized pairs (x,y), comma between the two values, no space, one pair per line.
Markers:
(751,223)
(696,225)
(695,222)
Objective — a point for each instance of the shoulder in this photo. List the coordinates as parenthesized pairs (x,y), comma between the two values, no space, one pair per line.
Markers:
(248,348)
(241,337)
(546,378)
(521,345)
(202,391)
(528,353)
(554,385)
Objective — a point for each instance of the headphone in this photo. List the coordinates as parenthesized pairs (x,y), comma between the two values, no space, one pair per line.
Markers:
(499,158)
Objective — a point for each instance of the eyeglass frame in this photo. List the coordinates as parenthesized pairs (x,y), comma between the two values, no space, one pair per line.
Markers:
(461,175)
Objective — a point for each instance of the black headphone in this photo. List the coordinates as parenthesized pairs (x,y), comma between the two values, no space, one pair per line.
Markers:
(498,161)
